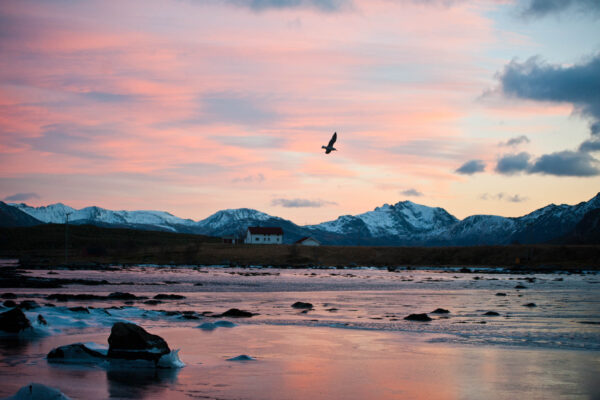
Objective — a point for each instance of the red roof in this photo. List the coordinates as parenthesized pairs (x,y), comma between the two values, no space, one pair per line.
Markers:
(265,230)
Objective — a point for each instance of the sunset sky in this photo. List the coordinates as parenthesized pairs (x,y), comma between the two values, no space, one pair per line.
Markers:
(193,106)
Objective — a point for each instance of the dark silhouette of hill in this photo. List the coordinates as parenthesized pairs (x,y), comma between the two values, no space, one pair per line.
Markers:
(12,216)
(44,245)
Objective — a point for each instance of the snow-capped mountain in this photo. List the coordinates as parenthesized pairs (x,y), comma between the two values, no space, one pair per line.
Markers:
(235,221)
(403,223)
(57,214)
(478,229)
(226,219)
(539,226)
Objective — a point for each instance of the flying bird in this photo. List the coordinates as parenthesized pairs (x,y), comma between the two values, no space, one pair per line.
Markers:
(329,148)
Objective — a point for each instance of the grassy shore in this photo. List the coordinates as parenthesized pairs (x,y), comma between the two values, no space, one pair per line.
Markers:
(45,245)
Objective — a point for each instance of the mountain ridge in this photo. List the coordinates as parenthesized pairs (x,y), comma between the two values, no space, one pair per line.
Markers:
(402,223)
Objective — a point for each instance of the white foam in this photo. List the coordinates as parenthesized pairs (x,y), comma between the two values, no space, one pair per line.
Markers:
(171,360)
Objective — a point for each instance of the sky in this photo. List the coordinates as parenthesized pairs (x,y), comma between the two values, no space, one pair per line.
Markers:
(194,106)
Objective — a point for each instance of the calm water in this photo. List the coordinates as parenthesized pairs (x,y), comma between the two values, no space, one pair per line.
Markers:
(353,344)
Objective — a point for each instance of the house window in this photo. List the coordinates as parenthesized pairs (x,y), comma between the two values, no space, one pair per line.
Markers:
(257,239)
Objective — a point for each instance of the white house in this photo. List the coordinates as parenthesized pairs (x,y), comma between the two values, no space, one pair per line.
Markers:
(308,241)
(264,235)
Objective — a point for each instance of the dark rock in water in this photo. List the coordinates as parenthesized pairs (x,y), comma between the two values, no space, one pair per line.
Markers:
(162,296)
(153,302)
(190,316)
(500,294)
(76,352)
(418,317)
(14,321)
(530,305)
(235,313)
(198,284)
(9,303)
(131,342)
(28,305)
(8,296)
(302,305)
(464,270)
(440,311)
(123,296)
(242,357)
(80,309)
(519,286)
(41,320)
(68,297)
(491,314)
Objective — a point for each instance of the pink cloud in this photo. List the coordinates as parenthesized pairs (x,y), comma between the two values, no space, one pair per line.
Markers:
(204,96)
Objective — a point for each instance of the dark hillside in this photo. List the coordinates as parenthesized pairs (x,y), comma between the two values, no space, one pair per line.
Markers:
(587,231)
(11,217)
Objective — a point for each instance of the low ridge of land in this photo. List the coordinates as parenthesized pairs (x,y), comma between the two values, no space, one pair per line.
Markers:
(45,245)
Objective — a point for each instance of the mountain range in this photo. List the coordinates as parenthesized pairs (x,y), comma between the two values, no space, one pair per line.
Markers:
(403,223)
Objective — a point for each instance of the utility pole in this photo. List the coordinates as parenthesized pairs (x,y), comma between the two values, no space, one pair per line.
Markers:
(67,238)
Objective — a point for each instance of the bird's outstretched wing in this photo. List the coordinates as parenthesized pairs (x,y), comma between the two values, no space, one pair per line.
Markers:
(333,139)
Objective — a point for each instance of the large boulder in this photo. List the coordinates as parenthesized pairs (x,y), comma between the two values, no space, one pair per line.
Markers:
(14,321)
(131,342)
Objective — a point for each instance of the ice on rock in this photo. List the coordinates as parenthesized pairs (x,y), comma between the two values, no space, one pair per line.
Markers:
(171,360)
(37,391)
(76,353)
(210,326)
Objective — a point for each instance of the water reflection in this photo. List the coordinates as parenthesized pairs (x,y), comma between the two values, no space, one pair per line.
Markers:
(13,346)
(139,383)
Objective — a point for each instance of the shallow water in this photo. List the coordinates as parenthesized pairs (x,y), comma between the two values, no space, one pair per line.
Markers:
(354,344)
